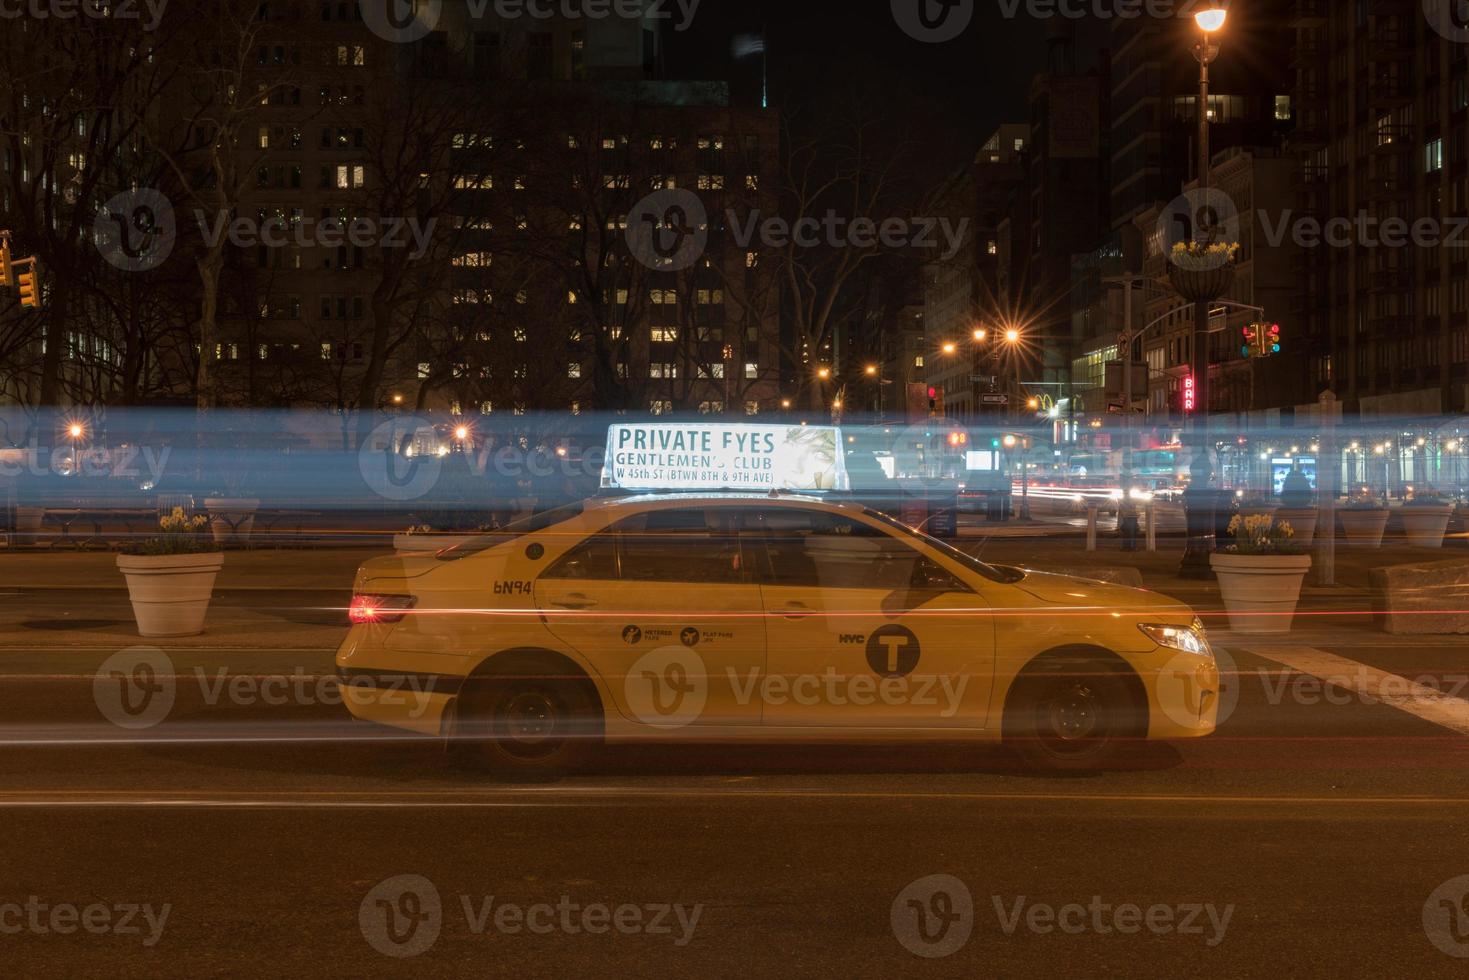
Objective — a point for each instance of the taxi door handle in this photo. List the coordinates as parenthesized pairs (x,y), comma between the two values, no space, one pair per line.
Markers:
(574,601)
(796,610)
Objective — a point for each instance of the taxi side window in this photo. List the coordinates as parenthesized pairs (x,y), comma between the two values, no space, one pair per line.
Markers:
(593,559)
(829,551)
(695,546)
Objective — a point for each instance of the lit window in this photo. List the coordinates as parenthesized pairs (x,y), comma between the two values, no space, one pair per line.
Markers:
(1433,155)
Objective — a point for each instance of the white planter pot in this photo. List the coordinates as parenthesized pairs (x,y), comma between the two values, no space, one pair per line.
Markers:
(427,544)
(1425,526)
(231,518)
(1364,527)
(1302,521)
(1260,592)
(170,593)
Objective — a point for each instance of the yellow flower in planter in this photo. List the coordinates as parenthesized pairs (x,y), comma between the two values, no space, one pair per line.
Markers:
(1260,534)
(179,534)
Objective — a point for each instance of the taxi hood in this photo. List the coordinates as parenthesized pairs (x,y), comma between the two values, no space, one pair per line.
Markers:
(1067,590)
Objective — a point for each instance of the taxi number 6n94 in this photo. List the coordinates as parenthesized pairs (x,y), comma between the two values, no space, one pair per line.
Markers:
(512,588)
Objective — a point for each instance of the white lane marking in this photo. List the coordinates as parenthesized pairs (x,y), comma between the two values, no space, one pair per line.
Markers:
(1394,690)
(430,799)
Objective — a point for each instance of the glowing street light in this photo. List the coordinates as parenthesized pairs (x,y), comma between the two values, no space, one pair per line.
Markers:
(980,335)
(461,433)
(872,370)
(76,430)
(950,347)
(1211,19)
(1012,336)
(823,373)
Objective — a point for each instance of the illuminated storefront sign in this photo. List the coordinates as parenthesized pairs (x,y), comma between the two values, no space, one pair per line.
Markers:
(1190,394)
(714,456)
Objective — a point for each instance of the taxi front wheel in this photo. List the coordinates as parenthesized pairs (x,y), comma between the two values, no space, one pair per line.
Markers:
(1071,720)
(530,721)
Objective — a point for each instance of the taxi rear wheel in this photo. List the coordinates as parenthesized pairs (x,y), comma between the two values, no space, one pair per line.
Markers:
(530,721)
(1071,720)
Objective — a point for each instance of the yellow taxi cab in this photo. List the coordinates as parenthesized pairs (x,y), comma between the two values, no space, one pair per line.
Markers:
(776,616)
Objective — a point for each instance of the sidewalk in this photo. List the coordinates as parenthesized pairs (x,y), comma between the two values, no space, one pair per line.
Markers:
(1341,614)
(269,606)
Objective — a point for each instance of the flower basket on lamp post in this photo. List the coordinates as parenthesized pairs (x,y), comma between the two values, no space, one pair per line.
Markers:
(1202,273)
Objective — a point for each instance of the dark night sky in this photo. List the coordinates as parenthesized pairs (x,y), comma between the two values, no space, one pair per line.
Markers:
(951,95)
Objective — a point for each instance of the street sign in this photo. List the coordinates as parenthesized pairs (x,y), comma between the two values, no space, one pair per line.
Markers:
(994,399)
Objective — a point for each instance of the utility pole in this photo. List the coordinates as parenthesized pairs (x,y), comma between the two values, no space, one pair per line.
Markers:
(1125,340)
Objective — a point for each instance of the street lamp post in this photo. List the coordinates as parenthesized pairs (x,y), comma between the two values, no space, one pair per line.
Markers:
(1201,502)
(980,335)
(1012,337)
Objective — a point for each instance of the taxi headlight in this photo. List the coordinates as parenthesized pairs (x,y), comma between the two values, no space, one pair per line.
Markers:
(1189,639)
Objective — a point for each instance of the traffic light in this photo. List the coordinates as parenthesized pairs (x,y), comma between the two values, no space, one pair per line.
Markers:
(1261,340)
(935,400)
(6,276)
(27,281)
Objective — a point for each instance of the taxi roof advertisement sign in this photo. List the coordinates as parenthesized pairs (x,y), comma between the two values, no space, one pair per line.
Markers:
(724,456)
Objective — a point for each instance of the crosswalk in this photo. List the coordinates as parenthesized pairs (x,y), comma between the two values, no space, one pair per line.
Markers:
(1380,686)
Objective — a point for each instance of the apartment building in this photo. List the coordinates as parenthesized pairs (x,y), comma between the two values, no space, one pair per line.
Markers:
(1382,96)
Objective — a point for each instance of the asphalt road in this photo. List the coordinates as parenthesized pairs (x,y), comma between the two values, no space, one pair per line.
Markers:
(1305,839)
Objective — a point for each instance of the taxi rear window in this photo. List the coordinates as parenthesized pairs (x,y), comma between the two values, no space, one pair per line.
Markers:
(515,529)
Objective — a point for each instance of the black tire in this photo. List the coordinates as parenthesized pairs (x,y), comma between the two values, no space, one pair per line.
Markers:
(530,719)
(1071,719)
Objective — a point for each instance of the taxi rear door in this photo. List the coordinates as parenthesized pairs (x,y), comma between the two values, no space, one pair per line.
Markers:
(663,606)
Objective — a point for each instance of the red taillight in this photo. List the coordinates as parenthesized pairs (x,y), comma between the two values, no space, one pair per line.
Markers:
(367,610)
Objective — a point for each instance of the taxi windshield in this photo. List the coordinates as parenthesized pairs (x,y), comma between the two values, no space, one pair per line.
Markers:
(994,574)
(513,530)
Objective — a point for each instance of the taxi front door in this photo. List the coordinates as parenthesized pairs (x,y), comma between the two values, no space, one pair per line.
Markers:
(865,630)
